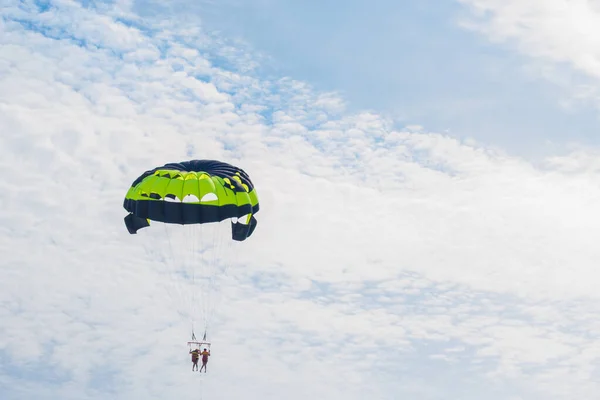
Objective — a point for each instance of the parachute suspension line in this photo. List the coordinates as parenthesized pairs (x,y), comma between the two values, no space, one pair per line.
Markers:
(192,245)
(181,268)
(204,268)
(176,269)
(198,262)
(209,267)
(210,264)
(212,273)
(221,245)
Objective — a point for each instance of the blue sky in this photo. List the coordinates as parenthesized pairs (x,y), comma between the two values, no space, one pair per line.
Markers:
(411,60)
(389,261)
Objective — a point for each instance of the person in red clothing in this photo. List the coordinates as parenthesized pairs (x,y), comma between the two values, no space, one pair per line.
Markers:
(205,354)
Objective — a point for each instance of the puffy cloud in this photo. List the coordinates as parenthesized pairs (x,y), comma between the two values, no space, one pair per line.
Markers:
(379,252)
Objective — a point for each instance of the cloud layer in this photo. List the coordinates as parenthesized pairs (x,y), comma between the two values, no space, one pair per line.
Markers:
(386,263)
(561,35)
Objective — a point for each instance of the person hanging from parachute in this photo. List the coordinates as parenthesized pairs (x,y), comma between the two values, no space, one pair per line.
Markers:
(205,354)
(195,356)
(190,193)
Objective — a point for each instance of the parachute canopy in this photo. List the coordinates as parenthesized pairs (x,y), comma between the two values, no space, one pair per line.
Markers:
(193,192)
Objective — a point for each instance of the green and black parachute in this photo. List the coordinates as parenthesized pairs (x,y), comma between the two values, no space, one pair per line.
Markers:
(205,208)
(193,192)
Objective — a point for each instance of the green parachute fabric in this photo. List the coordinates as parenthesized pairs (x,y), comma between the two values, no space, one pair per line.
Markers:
(193,192)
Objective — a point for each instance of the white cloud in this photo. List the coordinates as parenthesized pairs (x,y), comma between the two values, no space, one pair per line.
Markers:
(377,251)
(554,33)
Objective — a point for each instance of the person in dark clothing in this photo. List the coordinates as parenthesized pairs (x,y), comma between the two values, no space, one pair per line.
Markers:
(195,356)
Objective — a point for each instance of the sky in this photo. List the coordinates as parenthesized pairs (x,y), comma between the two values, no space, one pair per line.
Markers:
(428,177)
(443,65)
